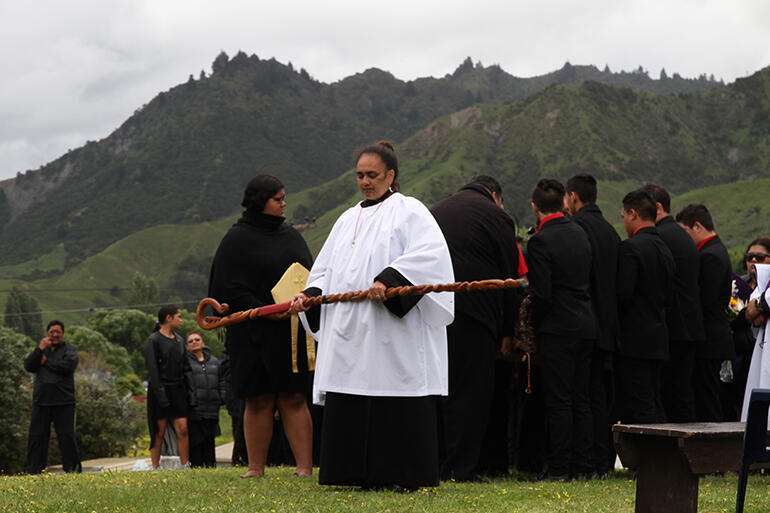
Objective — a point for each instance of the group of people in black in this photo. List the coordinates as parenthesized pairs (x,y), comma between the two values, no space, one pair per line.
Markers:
(631,331)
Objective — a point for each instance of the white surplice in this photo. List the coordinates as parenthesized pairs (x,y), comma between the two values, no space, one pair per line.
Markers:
(759,370)
(363,349)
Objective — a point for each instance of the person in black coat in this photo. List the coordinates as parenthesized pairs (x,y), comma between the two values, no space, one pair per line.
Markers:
(53,362)
(645,276)
(715,281)
(684,318)
(251,258)
(559,263)
(482,243)
(208,390)
(605,245)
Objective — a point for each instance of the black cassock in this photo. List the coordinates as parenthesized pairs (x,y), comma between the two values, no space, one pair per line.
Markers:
(482,242)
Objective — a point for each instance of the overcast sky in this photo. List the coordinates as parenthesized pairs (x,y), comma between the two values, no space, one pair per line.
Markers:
(74,71)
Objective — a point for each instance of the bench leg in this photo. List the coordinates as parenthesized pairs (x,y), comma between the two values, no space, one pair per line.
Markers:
(664,483)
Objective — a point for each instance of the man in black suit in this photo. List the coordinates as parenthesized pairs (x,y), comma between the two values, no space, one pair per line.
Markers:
(482,242)
(605,244)
(645,274)
(559,262)
(684,319)
(715,281)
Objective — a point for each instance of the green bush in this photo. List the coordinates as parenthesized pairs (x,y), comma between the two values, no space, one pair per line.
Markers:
(107,424)
(15,400)
(91,341)
(128,328)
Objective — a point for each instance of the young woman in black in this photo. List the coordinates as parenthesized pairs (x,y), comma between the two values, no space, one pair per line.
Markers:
(168,390)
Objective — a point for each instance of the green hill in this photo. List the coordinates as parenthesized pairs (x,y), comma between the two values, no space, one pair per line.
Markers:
(616,134)
(186,155)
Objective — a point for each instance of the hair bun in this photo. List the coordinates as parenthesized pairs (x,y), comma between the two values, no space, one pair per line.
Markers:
(387,144)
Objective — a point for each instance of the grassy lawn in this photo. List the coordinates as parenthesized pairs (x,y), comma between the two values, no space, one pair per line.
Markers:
(221,490)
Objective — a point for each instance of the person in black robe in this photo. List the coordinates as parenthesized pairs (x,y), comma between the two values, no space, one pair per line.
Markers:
(482,243)
(684,318)
(250,260)
(645,277)
(715,280)
(559,263)
(605,245)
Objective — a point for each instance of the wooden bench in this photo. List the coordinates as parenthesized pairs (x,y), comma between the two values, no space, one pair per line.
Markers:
(668,458)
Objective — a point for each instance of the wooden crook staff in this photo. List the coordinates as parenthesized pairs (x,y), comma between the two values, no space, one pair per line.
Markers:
(209,322)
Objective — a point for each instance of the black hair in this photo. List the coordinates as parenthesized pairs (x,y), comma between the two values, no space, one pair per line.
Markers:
(659,194)
(194,332)
(643,203)
(488,182)
(164,312)
(259,190)
(548,196)
(386,151)
(761,241)
(695,213)
(584,186)
(55,323)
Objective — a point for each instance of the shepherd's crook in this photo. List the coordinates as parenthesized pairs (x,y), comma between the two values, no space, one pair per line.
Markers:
(210,322)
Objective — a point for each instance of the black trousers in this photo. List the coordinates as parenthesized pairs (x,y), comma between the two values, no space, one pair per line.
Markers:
(63,418)
(464,414)
(601,393)
(677,392)
(637,382)
(705,378)
(240,456)
(566,366)
(203,454)
(494,458)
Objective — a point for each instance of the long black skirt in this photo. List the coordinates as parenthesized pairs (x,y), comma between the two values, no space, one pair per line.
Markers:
(379,441)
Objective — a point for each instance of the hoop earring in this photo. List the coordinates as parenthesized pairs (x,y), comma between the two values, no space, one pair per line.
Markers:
(390,188)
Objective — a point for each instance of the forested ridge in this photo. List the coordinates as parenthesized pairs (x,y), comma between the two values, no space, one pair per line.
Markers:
(185,156)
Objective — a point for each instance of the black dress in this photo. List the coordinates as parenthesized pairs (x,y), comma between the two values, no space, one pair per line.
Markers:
(170,380)
(250,260)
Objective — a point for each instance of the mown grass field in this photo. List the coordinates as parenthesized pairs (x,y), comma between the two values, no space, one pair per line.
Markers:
(279,491)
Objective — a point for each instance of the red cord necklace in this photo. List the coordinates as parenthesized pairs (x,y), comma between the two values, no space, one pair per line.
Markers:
(355,230)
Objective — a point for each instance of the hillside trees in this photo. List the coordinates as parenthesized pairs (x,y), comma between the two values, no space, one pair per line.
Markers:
(22,314)
(144,293)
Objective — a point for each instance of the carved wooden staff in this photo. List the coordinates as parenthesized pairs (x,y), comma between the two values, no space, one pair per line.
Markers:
(209,322)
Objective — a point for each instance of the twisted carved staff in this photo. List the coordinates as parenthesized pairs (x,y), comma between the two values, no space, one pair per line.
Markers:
(209,322)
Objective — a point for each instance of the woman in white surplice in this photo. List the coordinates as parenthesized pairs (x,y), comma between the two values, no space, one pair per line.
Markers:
(381,363)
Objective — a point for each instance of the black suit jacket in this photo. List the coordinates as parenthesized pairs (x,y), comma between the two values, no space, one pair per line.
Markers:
(645,275)
(683,316)
(716,279)
(559,262)
(605,245)
(482,242)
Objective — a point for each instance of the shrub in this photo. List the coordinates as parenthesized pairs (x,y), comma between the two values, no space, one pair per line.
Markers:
(15,400)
